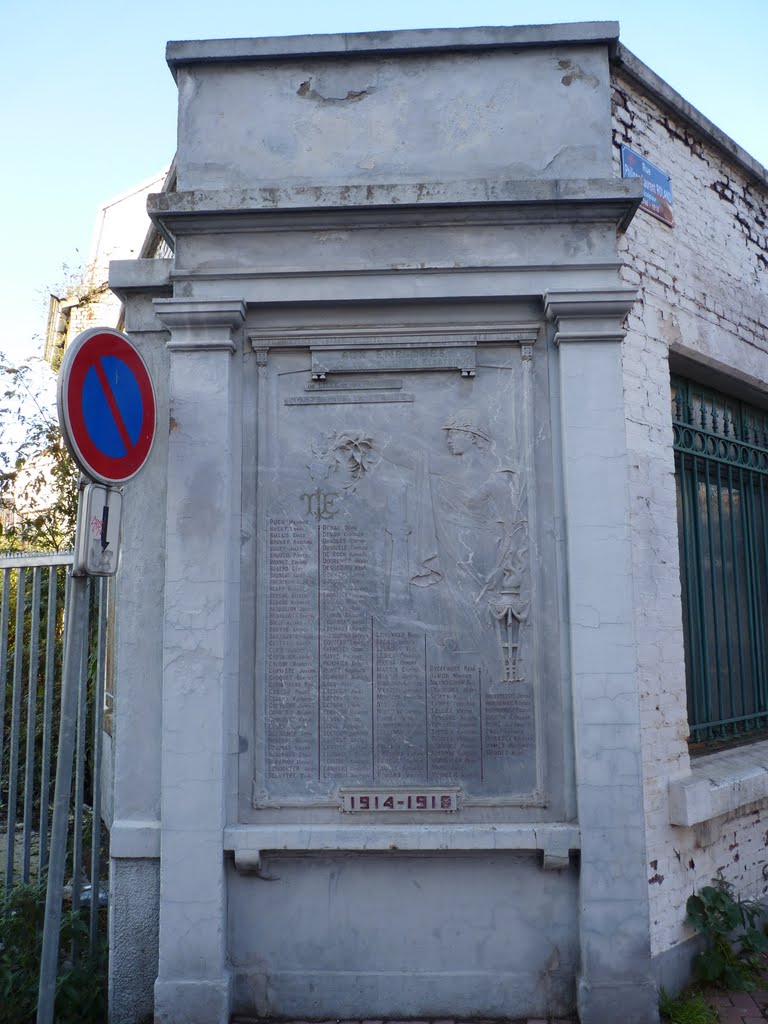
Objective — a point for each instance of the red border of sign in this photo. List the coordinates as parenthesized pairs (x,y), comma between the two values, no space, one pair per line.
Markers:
(79,357)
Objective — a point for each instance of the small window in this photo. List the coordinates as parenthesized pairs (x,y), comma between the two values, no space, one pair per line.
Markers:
(721,470)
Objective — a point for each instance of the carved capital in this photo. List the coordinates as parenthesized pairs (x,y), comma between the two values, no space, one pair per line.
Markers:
(589,316)
(201,325)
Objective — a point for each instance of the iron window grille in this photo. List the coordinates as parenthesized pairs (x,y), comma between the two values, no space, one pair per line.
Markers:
(721,471)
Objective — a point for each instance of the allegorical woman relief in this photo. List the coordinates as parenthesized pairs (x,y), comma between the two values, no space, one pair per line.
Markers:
(458,535)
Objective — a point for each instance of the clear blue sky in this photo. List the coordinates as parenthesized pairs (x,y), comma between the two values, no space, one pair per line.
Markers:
(89,105)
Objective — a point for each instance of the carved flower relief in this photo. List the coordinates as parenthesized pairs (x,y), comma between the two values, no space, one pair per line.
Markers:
(345,456)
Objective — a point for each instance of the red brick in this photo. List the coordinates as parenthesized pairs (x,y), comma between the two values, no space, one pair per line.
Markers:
(744,1002)
(731,1015)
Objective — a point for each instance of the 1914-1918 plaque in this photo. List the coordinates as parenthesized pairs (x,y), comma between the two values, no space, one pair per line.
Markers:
(396,632)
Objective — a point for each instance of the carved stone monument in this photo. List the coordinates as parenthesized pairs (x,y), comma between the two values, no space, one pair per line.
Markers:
(396,623)
(375,625)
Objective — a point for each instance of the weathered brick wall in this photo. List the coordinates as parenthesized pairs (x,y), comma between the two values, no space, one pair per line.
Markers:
(703,291)
(99,308)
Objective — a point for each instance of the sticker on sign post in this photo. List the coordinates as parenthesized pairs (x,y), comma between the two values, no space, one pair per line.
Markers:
(97,545)
(107,408)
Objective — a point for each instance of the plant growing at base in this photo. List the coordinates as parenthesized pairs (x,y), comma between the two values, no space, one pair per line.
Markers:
(735,940)
(81,985)
(687,1008)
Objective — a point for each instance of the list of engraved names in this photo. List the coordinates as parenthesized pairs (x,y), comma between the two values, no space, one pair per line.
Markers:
(353,697)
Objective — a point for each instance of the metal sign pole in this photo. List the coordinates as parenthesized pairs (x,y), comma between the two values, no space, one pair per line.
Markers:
(73,651)
(91,415)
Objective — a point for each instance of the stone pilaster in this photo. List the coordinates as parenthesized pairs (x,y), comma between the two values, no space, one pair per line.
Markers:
(200,643)
(615,979)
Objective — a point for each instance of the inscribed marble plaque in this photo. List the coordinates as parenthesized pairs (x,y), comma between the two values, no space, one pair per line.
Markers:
(394,582)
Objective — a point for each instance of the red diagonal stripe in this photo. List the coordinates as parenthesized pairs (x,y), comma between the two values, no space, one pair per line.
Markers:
(113,406)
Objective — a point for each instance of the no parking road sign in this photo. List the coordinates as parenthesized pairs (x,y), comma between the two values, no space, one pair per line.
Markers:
(107,416)
(106,405)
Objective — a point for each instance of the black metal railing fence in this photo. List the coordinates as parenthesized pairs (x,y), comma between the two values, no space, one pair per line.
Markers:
(721,468)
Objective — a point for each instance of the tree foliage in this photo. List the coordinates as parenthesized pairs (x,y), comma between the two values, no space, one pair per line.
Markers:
(38,479)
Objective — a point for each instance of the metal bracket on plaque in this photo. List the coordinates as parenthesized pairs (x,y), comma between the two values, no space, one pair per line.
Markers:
(398,358)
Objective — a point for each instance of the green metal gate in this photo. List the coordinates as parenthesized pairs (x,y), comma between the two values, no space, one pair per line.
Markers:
(721,469)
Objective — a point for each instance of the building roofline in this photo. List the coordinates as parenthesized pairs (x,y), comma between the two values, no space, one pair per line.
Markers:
(180,53)
(133,190)
(152,235)
(668,97)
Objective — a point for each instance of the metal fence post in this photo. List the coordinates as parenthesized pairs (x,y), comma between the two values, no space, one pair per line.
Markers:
(13,753)
(29,764)
(50,667)
(98,739)
(73,653)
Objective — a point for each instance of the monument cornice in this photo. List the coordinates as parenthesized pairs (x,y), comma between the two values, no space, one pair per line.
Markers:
(589,315)
(554,839)
(433,203)
(201,325)
(420,335)
(341,46)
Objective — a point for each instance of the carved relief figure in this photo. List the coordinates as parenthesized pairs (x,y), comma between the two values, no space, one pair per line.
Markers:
(467,540)
(456,528)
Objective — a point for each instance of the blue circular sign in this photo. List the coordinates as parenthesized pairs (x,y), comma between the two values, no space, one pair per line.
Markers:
(106,405)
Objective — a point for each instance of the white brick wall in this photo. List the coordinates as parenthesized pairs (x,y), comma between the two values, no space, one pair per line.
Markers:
(703,291)
(100,308)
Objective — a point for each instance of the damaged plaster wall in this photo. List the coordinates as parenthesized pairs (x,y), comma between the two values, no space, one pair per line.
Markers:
(413,118)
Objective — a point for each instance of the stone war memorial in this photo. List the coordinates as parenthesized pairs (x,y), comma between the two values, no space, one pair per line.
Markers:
(383,695)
